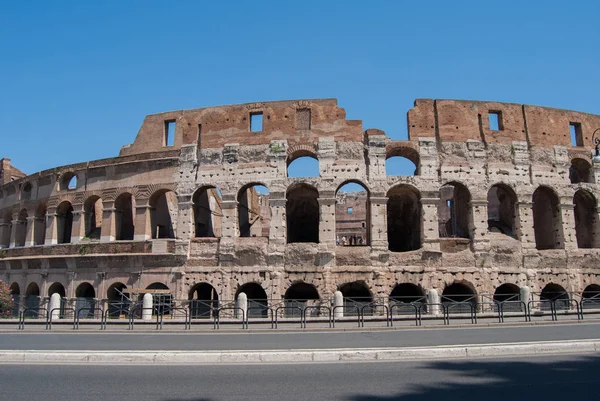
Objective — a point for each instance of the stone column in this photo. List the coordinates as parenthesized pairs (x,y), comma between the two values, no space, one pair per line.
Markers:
(278,225)
(327,218)
(30,231)
(378,223)
(147,307)
(229,224)
(185,221)
(142,221)
(54,306)
(13,230)
(566,234)
(430,231)
(109,224)
(4,234)
(51,227)
(78,231)
(338,300)
(242,303)
(480,236)
(526,232)
(433,299)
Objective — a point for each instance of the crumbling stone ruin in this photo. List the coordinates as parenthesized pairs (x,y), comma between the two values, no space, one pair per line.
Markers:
(504,197)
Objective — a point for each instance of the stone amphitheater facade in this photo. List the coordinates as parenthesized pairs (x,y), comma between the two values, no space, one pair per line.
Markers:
(512,205)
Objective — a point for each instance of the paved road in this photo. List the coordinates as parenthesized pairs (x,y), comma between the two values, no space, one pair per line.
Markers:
(297,340)
(504,379)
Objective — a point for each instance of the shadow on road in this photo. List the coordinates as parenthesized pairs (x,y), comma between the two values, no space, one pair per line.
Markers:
(567,379)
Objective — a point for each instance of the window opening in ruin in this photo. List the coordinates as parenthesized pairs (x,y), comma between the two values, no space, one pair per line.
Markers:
(400,166)
(302,167)
(580,171)
(298,296)
(303,119)
(406,293)
(93,210)
(257,299)
(203,300)
(64,222)
(72,183)
(170,127)
(557,294)
(256,122)
(547,223)
(590,299)
(26,191)
(586,219)
(84,300)
(119,300)
(454,211)
(124,228)
(207,212)
(163,214)
(302,214)
(352,215)
(32,300)
(403,219)
(254,213)
(502,210)
(68,181)
(495,120)
(459,297)
(356,298)
(576,134)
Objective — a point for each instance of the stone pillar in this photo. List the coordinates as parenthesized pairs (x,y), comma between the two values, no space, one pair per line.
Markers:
(54,304)
(229,224)
(433,299)
(526,232)
(142,221)
(327,218)
(4,234)
(242,303)
(376,154)
(13,231)
(147,307)
(378,224)
(566,232)
(185,221)
(338,300)
(479,232)
(78,230)
(430,230)
(51,227)
(108,230)
(30,231)
(278,225)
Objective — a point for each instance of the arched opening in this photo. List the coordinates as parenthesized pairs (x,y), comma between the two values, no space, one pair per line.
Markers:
(303,166)
(302,214)
(402,161)
(297,296)
(203,300)
(68,181)
(93,209)
(118,300)
(124,226)
(507,293)
(403,219)
(26,191)
(15,291)
(162,301)
(254,214)
(454,211)
(21,230)
(163,214)
(557,294)
(502,210)
(586,219)
(5,235)
(85,302)
(64,222)
(356,297)
(57,288)
(407,293)
(257,299)
(352,215)
(547,223)
(580,171)
(590,298)
(39,226)
(32,300)
(459,297)
(207,212)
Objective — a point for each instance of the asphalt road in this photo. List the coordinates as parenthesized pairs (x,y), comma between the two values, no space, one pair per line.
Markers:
(103,341)
(532,378)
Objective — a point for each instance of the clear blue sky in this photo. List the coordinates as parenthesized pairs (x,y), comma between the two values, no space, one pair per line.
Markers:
(78,77)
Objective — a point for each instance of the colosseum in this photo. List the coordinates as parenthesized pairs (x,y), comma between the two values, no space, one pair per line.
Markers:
(200,207)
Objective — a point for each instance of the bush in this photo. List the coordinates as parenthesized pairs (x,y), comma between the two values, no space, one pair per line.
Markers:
(6,300)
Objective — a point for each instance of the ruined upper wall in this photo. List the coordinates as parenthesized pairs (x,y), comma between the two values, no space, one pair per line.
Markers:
(9,172)
(461,120)
(298,121)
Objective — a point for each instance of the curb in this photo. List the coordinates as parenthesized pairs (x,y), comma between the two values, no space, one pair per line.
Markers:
(296,356)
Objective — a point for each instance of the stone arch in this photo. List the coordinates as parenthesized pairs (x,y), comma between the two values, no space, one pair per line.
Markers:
(507,292)
(163,213)
(33,289)
(580,171)
(85,290)
(207,212)
(301,150)
(68,181)
(203,300)
(454,211)
(586,219)
(404,211)
(357,297)
(555,293)
(85,300)
(590,297)
(257,299)
(21,230)
(301,291)
(93,210)
(123,215)
(352,214)
(396,150)
(57,287)
(460,292)
(407,293)
(302,213)
(162,300)
(26,191)
(64,222)
(502,210)
(32,299)
(547,222)
(254,214)
(118,302)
